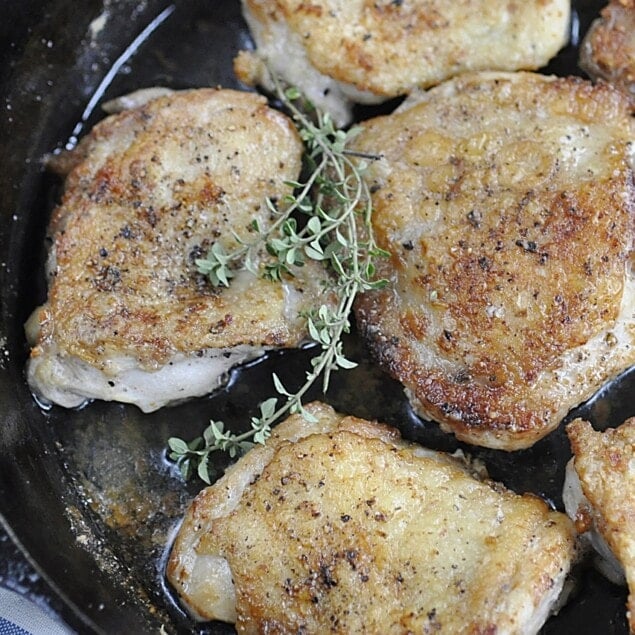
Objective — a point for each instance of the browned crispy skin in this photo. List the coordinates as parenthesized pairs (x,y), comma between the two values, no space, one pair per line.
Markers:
(605,465)
(152,193)
(389,48)
(366,51)
(339,526)
(150,190)
(608,49)
(507,204)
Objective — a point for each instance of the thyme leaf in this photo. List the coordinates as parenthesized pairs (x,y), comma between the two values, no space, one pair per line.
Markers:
(336,200)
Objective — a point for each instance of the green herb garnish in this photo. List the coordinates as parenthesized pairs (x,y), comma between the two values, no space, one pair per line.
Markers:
(338,232)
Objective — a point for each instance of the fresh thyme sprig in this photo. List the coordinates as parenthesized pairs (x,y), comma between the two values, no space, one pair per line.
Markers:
(336,199)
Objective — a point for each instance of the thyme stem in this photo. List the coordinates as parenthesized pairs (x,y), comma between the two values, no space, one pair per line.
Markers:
(334,197)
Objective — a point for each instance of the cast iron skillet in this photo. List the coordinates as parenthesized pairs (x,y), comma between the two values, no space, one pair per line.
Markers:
(88,494)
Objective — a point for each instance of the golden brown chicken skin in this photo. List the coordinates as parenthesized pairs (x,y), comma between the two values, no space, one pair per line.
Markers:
(340,527)
(608,49)
(149,191)
(600,495)
(368,51)
(506,202)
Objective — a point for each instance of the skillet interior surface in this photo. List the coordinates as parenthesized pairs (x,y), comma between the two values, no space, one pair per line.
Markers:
(88,493)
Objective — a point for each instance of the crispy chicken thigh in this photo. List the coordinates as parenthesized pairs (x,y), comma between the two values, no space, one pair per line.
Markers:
(599,496)
(149,190)
(608,49)
(366,51)
(507,203)
(341,527)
